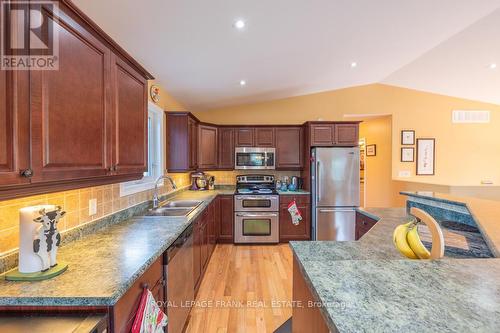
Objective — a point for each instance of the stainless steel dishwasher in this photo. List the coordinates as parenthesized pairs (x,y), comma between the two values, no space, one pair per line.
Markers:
(180,280)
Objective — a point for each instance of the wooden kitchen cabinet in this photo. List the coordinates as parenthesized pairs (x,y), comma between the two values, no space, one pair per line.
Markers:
(322,134)
(334,134)
(124,311)
(207,147)
(81,125)
(182,142)
(347,135)
(192,143)
(363,224)
(244,137)
(14,125)
(264,137)
(288,230)
(212,232)
(69,129)
(130,117)
(226,230)
(289,148)
(306,318)
(226,148)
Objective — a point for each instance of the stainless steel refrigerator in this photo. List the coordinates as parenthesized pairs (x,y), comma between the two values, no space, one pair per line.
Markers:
(335,193)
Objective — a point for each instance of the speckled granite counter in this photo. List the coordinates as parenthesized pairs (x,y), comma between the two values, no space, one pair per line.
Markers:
(367,286)
(104,265)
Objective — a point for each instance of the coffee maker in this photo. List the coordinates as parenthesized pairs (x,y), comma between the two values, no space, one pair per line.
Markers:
(199,181)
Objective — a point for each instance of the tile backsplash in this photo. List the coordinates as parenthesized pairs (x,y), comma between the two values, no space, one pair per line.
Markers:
(229,177)
(76,205)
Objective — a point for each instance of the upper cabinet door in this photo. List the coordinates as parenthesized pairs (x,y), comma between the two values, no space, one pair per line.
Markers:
(264,137)
(207,147)
(347,134)
(226,148)
(130,119)
(70,107)
(193,143)
(244,137)
(322,134)
(289,148)
(14,127)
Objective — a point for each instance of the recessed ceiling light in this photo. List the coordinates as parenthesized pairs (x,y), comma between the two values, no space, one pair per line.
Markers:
(493,66)
(354,64)
(239,24)
(243,83)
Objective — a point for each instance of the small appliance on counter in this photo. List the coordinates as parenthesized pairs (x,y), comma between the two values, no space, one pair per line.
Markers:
(199,181)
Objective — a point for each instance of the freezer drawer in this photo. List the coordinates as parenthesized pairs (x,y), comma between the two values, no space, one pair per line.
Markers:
(338,224)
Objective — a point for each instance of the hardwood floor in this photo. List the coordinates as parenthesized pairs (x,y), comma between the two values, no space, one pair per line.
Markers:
(245,289)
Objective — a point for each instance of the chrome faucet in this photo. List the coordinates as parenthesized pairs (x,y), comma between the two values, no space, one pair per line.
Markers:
(156,199)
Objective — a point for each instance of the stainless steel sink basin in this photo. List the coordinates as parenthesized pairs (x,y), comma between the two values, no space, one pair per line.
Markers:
(181,203)
(169,211)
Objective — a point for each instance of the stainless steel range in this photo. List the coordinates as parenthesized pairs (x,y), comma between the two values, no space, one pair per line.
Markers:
(256,210)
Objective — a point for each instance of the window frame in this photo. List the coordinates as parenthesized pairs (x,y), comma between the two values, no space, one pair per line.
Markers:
(156,159)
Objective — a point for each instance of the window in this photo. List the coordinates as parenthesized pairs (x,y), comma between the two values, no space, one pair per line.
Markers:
(155,154)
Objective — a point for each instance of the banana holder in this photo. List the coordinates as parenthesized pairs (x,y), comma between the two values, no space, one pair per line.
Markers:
(407,240)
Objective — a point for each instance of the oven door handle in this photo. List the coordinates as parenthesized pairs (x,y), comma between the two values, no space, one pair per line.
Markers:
(257,215)
(262,197)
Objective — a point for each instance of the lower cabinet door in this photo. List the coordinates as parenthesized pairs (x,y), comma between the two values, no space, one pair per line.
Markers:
(226,226)
(125,309)
(290,231)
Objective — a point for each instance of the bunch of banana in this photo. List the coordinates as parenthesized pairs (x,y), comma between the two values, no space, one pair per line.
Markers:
(408,241)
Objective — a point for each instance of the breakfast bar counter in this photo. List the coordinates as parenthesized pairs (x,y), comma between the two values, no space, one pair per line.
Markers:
(367,286)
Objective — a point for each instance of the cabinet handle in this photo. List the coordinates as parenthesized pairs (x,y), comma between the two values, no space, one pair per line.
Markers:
(27,173)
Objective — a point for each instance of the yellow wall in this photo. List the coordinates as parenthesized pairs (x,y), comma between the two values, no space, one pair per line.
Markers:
(76,202)
(167,102)
(380,189)
(465,154)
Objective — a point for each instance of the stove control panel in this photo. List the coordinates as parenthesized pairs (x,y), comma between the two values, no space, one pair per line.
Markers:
(255,179)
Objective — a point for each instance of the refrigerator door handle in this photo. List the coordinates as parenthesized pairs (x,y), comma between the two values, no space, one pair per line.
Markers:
(318,193)
(336,210)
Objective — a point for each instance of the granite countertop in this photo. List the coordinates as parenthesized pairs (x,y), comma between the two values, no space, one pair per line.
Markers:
(367,286)
(486,214)
(103,266)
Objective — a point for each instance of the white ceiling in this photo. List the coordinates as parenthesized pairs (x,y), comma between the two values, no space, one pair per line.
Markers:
(296,47)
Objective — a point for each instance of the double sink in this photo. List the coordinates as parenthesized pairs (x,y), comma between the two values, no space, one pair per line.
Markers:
(177,208)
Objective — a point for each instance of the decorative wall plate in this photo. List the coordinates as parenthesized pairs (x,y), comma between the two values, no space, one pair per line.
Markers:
(155,93)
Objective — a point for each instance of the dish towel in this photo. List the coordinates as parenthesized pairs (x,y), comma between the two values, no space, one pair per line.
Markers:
(294,212)
(149,317)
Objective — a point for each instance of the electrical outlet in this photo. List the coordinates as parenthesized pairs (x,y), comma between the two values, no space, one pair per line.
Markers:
(404,174)
(92,207)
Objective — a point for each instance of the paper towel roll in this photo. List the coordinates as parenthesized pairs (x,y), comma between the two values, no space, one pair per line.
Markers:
(29,261)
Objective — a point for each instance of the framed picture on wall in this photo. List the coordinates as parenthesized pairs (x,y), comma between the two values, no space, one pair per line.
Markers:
(407,154)
(426,157)
(407,137)
(371,150)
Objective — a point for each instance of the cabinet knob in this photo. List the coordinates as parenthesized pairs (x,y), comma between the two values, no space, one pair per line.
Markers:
(27,173)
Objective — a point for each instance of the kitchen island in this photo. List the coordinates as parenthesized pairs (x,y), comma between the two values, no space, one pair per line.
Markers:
(368,286)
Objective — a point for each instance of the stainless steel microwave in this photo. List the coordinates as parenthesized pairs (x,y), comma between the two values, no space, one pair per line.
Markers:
(254,158)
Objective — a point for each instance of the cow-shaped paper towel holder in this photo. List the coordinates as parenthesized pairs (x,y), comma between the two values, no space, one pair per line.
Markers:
(46,241)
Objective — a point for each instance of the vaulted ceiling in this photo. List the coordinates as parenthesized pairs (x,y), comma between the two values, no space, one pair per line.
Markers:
(296,47)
